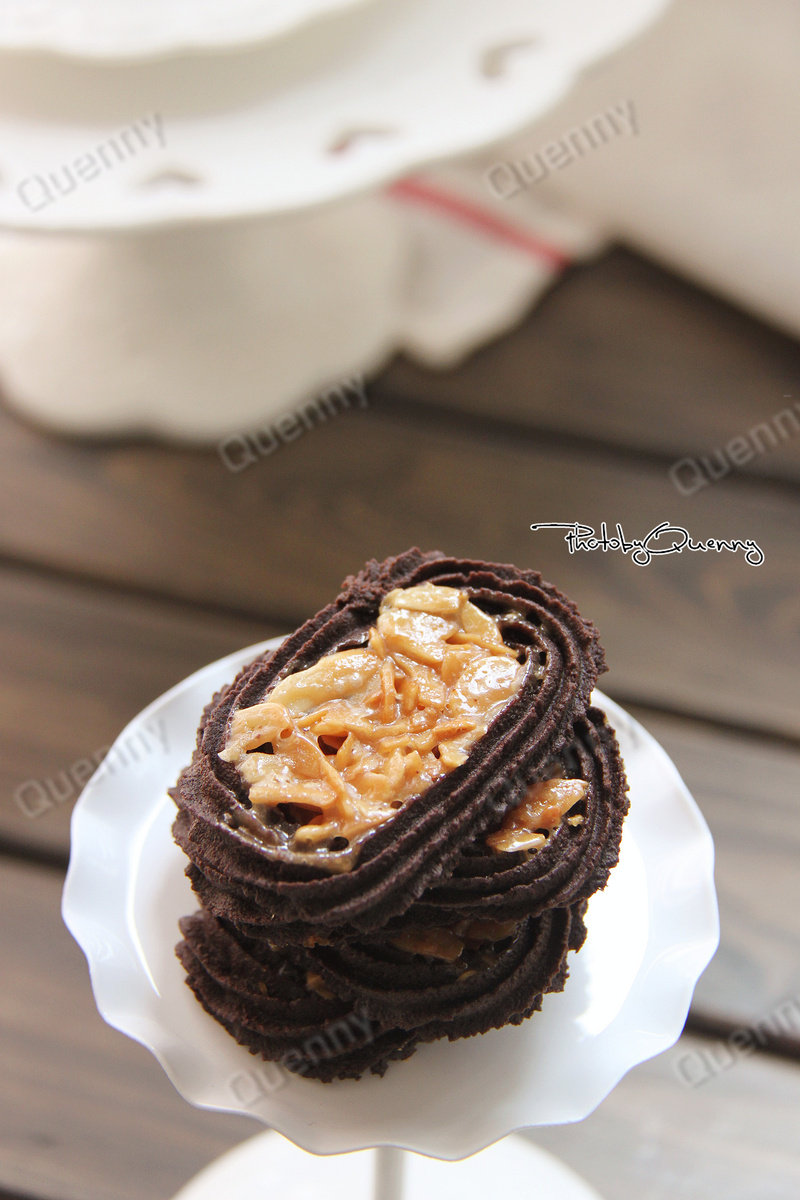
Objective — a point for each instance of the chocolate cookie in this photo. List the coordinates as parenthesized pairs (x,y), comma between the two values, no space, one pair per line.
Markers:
(364,886)
(395,819)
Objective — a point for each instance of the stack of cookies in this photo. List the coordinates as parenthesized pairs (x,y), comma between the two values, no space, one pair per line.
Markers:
(395,820)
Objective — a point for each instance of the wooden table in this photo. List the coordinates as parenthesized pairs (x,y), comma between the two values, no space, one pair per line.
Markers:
(123,567)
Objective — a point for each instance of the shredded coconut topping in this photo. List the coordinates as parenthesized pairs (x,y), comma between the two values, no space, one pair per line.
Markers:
(343,745)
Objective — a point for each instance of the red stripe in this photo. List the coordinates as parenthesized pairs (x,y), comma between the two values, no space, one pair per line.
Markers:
(479,218)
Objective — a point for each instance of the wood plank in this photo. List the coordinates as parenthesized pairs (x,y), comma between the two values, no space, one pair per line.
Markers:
(655,1138)
(277,538)
(78,663)
(88,1115)
(624,352)
(749,792)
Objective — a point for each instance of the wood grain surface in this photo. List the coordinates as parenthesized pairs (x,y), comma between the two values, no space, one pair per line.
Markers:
(749,792)
(623,354)
(79,663)
(682,632)
(733,1135)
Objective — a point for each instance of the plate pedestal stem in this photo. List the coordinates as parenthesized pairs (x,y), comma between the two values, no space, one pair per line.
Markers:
(268,1165)
(389,1170)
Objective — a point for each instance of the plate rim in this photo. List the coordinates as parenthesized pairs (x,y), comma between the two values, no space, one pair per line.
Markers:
(676,974)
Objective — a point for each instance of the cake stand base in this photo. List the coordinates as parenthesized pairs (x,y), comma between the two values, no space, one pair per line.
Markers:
(269,1165)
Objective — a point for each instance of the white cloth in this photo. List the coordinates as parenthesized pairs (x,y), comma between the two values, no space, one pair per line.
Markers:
(710,185)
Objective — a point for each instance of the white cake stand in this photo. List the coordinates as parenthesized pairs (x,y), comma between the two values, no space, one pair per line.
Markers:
(362,94)
(293,116)
(125,30)
(268,1165)
(651,934)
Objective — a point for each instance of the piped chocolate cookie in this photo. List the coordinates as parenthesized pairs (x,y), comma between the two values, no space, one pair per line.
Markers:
(403,809)
(338,777)
(336,1012)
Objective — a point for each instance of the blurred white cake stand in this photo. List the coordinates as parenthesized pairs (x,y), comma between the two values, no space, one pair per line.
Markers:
(118,130)
(124,30)
(342,103)
(268,1165)
(651,934)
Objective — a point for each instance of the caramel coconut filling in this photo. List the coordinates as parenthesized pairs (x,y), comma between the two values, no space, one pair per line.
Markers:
(528,826)
(448,943)
(340,747)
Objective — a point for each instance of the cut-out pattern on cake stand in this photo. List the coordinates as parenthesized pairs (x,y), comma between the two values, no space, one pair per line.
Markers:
(343,103)
(294,127)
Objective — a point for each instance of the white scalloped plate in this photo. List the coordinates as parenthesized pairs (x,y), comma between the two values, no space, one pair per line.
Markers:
(293,1175)
(651,934)
(343,104)
(127,29)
